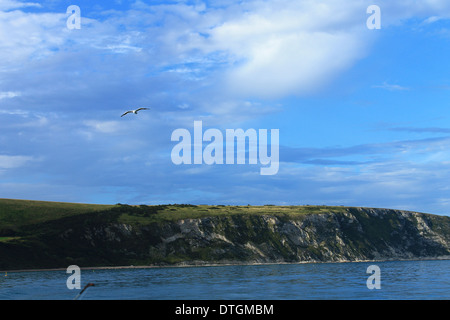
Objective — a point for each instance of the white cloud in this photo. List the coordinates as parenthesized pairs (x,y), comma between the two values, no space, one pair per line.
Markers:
(13,4)
(288,47)
(432,19)
(103,126)
(10,162)
(28,36)
(294,64)
(391,87)
(8,94)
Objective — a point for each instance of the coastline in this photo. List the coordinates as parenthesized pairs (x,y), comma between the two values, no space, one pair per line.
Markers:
(143,237)
(204,264)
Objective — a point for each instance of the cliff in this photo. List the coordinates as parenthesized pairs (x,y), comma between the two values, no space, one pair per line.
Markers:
(126,235)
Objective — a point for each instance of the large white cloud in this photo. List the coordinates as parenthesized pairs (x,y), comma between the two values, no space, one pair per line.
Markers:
(288,47)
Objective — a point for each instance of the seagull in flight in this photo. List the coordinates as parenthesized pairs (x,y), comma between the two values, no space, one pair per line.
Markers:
(134,111)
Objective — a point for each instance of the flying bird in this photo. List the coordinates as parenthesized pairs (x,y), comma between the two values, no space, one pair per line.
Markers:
(134,111)
(87,286)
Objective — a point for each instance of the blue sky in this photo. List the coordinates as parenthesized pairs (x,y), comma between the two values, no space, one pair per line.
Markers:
(363,114)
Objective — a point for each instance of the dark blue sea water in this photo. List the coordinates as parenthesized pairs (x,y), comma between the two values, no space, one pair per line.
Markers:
(399,280)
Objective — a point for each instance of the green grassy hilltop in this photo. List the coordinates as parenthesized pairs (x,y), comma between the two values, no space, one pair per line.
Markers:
(39,234)
(16,215)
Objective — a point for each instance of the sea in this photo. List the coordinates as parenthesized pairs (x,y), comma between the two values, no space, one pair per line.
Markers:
(384,280)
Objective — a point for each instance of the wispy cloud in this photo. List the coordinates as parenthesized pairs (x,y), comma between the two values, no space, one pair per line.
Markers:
(432,19)
(103,126)
(9,95)
(9,162)
(368,153)
(13,4)
(422,130)
(391,87)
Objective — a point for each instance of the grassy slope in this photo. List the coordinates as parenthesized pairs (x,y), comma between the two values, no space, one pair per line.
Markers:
(15,214)
(178,212)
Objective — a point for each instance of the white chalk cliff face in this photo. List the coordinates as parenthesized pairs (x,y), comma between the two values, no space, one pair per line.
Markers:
(356,234)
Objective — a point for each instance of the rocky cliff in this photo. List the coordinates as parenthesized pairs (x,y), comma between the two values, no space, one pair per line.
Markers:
(348,234)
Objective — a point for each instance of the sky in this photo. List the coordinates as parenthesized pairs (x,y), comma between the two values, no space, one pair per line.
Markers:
(362,113)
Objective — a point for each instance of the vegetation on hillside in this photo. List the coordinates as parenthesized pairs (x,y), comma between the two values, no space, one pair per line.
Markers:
(38,234)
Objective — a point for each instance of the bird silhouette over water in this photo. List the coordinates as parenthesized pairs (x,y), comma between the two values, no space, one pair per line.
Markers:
(134,111)
(84,289)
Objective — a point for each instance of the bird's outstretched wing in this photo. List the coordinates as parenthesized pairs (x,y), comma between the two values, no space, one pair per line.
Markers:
(126,113)
(141,109)
(84,289)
